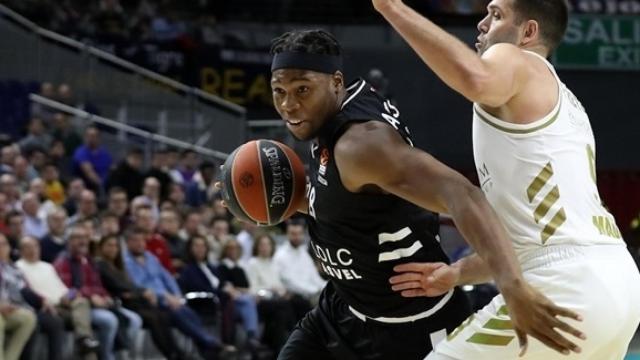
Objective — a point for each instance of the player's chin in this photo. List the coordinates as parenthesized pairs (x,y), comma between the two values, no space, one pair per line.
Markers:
(300,132)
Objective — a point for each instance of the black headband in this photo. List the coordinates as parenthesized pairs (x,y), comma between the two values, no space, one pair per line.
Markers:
(327,64)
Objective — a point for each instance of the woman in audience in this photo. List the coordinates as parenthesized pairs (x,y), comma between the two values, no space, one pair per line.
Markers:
(201,275)
(142,301)
(276,312)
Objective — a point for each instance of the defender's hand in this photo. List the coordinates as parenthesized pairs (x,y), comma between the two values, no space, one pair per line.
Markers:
(379,5)
(424,279)
(533,314)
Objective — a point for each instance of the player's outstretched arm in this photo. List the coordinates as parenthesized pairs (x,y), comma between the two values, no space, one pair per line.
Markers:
(492,79)
(372,153)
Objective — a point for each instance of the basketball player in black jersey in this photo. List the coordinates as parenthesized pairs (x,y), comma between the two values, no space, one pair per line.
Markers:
(369,188)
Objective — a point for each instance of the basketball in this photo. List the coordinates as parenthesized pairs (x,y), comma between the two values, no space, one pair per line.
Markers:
(264,182)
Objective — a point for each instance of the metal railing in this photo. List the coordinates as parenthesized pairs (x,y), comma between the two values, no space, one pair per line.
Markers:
(124,129)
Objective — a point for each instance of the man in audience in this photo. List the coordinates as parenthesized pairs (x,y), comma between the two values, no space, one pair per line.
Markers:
(218,236)
(87,208)
(36,137)
(91,161)
(118,204)
(158,170)
(169,228)
(34,225)
(9,187)
(151,192)
(246,237)
(44,281)
(54,242)
(201,190)
(23,172)
(15,231)
(295,266)
(192,226)
(7,155)
(17,319)
(128,174)
(155,243)
(76,187)
(146,271)
(78,273)
(63,131)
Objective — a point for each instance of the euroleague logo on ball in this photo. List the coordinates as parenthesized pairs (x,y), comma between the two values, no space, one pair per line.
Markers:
(246,180)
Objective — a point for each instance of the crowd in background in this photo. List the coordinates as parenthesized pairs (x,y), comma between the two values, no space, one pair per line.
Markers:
(101,247)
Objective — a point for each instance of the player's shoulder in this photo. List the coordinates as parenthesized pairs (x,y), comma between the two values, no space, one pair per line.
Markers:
(367,144)
(503,50)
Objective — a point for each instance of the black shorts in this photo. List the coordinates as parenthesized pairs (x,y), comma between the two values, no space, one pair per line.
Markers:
(332,331)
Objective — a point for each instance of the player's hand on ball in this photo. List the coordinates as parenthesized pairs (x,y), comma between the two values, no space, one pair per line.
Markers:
(424,279)
(533,314)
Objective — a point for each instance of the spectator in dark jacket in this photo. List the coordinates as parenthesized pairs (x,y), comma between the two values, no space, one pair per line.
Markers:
(128,174)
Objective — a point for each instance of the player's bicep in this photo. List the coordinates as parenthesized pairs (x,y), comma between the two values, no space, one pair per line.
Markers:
(502,77)
(378,156)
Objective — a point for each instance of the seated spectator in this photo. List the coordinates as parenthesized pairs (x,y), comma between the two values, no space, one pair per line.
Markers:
(118,204)
(138,299)
(128,174)
(276,313)
(199,275)
(158,170)
(295,266)
(36,157)
(16,316)
(177,196)
(37,187)
(87,208)
(146,272)
(192,226)
(109,225)
(64,131)
(77,271)
(15,232)
(151,193)
(53,188)
(201,190)
(46,283)
(54,242)
(7,155)
(23,172)
(218,236)
(9,187)
(36,136)
(169,228)
(4,210)
(183,174)
(246,238)
(76,187)
(91,161)
(34,225)
(155,243)
(262,271)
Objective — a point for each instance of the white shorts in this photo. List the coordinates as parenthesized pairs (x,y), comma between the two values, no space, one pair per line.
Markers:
(601,283)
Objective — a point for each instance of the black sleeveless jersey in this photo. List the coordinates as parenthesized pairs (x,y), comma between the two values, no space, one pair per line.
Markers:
(359,237)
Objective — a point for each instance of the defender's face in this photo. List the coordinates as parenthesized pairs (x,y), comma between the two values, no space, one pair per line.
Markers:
(498,26)
(304,99)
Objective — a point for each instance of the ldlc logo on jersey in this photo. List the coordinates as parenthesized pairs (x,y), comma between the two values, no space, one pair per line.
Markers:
(485,178)
(335,263)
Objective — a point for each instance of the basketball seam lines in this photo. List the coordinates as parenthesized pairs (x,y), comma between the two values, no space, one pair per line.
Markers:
(264,186)
(293,180)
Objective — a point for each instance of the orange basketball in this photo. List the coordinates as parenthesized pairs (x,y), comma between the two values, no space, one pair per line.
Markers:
(264,182)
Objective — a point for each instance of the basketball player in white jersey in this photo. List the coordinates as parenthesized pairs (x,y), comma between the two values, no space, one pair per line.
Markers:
(535,154)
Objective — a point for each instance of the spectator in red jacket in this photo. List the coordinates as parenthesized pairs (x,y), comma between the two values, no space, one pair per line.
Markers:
(156,244)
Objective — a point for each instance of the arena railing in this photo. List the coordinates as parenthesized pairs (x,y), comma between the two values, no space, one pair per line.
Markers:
(123,132)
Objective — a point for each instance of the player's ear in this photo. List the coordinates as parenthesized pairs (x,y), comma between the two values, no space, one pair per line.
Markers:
(337,79)
(530,32)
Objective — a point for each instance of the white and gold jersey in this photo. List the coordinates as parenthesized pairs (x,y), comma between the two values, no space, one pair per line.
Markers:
(540,177)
